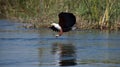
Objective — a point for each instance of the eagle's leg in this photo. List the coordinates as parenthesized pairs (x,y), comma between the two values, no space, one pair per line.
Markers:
(60,33)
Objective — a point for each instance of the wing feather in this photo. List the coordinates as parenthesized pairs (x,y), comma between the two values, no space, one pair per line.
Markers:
(66,20)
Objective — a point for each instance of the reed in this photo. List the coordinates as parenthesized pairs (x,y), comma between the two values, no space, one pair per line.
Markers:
(91,14)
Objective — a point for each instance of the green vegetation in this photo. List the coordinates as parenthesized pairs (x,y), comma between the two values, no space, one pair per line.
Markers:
(90,14)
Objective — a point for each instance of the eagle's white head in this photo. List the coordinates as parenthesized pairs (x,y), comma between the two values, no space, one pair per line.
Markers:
(57,26)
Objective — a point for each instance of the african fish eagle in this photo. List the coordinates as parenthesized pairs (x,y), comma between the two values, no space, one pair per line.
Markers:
(66,23)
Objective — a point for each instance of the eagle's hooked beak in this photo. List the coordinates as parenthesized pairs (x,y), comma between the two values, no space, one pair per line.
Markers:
(49,26)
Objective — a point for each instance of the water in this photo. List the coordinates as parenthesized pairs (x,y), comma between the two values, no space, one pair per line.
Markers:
(20,47)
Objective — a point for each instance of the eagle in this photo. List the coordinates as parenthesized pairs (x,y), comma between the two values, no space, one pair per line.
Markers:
(66,23)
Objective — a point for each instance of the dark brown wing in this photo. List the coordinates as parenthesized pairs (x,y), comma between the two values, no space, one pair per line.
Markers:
(66,20)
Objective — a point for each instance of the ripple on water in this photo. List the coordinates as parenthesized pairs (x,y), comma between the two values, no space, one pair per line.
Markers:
(40,48)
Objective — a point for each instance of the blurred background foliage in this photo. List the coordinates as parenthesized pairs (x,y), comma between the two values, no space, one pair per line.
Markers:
(90,14)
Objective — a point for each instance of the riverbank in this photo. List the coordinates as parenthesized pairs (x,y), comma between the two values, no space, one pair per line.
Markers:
(81,24)
(90,14)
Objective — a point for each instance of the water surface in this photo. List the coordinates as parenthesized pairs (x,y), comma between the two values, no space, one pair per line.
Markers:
(20,47)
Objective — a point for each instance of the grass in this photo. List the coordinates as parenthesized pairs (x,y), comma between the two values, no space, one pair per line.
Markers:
(90,14)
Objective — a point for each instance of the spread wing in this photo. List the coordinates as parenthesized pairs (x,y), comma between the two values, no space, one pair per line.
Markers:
(66,20)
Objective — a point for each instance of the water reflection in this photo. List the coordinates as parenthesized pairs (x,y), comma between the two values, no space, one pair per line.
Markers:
(32,48)
(65,54)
